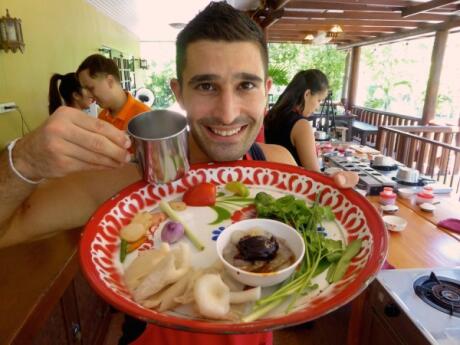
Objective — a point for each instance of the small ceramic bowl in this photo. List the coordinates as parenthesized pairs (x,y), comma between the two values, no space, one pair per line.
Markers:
(427,207)
(292,238)
(394,223)
(406,193)
(389,208)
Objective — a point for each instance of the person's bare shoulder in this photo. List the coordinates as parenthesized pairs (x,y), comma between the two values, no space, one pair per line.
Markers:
(277,153)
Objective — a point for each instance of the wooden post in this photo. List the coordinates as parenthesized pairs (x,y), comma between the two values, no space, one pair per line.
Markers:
(437,56)
(353,79)
(346,78)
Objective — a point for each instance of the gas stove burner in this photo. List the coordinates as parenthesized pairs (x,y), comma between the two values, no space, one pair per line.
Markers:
(440,292)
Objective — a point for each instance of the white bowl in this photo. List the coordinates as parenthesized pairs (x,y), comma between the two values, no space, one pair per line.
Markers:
(292,238)
(394,223)
(406,193)
(389,208)
(427,207)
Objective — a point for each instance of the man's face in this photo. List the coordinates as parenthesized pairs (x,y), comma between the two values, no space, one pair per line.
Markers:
(100,87)
(224,92)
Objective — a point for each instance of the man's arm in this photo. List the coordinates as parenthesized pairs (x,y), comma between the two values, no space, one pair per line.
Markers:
(68,142)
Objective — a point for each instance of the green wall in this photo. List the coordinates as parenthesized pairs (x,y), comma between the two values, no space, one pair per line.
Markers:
(58,35)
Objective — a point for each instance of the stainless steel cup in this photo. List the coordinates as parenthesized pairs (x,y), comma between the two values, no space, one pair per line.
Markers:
(160,142)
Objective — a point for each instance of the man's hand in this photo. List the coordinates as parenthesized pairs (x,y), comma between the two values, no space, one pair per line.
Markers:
(70,141)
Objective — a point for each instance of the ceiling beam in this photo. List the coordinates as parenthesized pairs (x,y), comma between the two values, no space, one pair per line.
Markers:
(316,27)
(276,11)
(304,13)
(384,3)
(426,6)
(454,22)
(314,5)
(355,22)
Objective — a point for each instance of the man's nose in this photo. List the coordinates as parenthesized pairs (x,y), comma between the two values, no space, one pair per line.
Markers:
(227,106)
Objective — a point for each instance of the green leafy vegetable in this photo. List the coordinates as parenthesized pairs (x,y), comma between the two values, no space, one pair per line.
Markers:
(237,188)
(123,250)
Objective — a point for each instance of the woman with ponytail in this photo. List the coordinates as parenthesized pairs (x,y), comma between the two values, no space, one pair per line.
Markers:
(285,123)
(69,90)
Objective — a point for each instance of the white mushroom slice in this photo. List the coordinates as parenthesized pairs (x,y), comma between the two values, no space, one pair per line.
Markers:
(178,288)
(250,295)
(143,265)
(188,294)
(170,269)
(132,232)
(232,283)
(212,296)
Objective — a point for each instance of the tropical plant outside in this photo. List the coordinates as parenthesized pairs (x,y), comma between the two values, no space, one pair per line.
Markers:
(286,59)
(393,77)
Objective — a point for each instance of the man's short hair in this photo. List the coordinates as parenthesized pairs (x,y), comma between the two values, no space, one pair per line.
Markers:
(219,22)
(98,64)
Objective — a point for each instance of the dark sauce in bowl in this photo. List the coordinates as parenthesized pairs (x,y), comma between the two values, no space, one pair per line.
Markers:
(258,251)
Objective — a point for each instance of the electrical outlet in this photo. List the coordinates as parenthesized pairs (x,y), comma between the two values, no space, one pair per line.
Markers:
(5,107)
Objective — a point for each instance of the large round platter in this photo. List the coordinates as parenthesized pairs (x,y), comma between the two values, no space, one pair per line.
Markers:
(355,218)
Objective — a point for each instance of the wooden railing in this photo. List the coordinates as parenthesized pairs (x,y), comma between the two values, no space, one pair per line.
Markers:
(432,150)
(382,118)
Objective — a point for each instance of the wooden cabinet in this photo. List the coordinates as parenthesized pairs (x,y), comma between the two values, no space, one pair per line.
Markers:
(80,317)
(384,322)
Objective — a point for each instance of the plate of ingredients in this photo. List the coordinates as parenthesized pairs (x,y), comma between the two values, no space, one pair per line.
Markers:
(235,247)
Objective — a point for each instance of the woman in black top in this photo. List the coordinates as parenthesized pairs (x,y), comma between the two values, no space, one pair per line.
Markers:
(282,124)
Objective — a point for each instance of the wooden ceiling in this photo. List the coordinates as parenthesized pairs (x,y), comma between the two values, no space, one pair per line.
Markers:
(362,22)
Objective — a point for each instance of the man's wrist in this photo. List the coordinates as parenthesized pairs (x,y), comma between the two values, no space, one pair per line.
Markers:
(19,166)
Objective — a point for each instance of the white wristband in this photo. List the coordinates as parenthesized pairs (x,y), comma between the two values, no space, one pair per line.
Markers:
(17,173)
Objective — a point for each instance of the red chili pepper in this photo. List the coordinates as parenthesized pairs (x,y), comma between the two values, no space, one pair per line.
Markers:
(203,194)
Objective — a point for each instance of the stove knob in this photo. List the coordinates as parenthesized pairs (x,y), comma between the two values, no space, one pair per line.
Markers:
(391,310)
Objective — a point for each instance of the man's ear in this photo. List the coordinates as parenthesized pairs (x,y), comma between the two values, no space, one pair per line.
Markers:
(110,80)
(268,85)
(177,90)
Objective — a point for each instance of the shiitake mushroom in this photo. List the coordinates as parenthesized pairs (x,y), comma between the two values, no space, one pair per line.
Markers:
(257,247)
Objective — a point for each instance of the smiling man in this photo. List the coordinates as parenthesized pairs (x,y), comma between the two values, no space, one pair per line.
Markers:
(222,84)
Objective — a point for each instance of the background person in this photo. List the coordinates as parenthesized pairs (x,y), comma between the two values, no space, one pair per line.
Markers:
(286,123)
(69,92)
(101,78)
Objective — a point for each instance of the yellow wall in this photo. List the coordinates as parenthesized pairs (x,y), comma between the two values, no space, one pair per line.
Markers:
(58,35)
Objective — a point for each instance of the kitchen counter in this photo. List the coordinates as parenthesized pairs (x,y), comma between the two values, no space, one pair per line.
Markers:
(34,278)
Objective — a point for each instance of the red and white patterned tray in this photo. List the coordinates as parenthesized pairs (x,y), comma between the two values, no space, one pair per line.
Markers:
(355,218)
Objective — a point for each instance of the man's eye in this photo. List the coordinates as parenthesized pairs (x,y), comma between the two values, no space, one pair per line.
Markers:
(247,85)
(205,87)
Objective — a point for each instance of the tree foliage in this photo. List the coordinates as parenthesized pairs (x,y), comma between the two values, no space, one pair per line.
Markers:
(292,58)
(159,84)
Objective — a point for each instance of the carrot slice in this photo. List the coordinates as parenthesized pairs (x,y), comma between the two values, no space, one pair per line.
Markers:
(136,244)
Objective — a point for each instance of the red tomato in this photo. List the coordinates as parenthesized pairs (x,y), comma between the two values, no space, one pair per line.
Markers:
(203,194)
